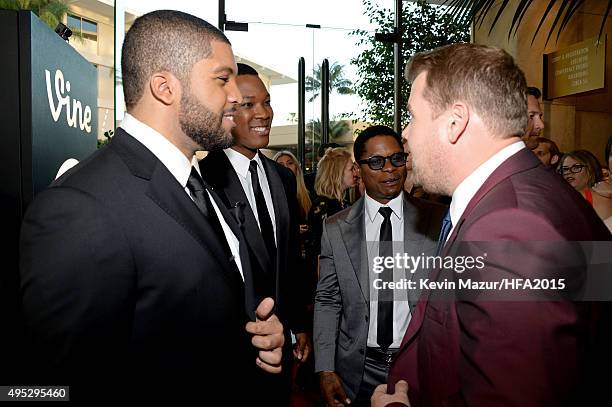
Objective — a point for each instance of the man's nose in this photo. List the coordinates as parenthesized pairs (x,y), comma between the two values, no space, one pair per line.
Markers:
(233,93)
(388,167)
(262,112)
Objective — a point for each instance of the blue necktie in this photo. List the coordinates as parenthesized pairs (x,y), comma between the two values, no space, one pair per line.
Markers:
(447,225)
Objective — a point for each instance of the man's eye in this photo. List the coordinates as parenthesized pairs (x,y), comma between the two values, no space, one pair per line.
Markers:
(247,104)
(224,78)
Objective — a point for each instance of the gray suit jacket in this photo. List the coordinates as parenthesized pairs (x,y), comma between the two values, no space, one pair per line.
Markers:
(341,313)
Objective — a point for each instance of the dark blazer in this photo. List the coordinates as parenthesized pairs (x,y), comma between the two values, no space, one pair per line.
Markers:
(502,353)
(218,171)
(124,286)
(342,302)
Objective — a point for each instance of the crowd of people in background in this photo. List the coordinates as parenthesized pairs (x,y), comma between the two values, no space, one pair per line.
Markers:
(145,266)
(337,173)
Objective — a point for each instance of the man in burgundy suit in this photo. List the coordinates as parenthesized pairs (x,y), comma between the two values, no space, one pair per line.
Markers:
(468,105)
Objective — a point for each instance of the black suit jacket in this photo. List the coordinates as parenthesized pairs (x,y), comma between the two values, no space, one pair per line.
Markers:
(124,286)
(290,299)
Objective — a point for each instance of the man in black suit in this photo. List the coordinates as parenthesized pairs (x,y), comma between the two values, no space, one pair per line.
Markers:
(134,276)
(265,192)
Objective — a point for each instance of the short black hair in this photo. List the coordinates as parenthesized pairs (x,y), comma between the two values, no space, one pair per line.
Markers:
(323,147)
(244,69)
(163,40)
(553,149)
(533,91)
(371,132)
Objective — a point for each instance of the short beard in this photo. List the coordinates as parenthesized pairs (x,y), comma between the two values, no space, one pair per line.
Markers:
(202,126)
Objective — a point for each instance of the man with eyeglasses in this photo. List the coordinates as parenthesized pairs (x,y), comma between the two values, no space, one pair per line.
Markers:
(359,325)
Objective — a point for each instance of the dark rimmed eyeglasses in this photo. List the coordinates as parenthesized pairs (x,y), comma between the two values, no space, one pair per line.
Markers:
(377,162)
(574,169)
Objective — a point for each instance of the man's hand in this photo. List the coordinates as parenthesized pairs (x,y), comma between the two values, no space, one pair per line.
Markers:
(380,398)
(267,337)
(302,347)
(332,390)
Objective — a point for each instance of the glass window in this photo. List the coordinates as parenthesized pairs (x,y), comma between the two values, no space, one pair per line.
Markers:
(87,28)
(90,26)
(74,23)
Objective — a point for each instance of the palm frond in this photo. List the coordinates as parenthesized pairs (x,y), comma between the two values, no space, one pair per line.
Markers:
(477,10)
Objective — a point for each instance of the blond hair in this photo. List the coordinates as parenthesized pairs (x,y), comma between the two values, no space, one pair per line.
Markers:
(302,193)
(330,173)
(486,78)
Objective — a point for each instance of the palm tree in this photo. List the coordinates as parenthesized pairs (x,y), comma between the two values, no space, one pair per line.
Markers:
(51,12)
(337,81)
(337,128)
(476,10)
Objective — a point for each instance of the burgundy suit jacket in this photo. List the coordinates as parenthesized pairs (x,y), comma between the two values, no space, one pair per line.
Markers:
(501,353)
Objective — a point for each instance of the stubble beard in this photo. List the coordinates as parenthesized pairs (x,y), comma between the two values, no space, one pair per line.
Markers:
(429,172)
(202,126)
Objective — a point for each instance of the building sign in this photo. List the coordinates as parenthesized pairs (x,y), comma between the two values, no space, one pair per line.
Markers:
(64,92)
(578,68)
(48,95)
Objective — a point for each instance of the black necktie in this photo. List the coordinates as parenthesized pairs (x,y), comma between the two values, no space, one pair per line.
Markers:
(384,331)
(265,223)
(200,190)
(200,196)
(445,229)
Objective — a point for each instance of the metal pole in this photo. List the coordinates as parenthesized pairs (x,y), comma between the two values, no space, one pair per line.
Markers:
(397,64)
(222,16)
(325,101)
(301,141)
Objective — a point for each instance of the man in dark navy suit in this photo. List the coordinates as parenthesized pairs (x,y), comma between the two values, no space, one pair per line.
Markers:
(265,192)
(136,281)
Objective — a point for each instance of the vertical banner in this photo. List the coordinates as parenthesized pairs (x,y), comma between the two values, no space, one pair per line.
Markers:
(64,96)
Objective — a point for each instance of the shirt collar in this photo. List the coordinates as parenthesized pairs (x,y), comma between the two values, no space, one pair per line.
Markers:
(372,206)
(466,190)
(172,158)
(241,162)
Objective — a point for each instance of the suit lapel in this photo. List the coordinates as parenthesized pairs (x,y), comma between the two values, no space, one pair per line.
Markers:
(520,161)
(281,215)
(219,172)
(281,210)
(413,241)
(353,233)
(165,192)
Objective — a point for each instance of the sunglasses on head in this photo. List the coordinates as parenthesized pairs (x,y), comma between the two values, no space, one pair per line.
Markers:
(377,162)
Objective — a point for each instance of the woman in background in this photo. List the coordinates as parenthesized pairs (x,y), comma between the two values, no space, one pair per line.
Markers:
(582,171)
(335,175)
(288,160)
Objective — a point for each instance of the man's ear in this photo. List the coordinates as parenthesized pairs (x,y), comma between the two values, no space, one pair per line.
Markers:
(554,160)
(458,120)
(165,87)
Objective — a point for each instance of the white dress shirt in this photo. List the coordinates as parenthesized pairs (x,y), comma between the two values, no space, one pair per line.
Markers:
(401,309)
(241,167)
(179,166)
(466,190)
